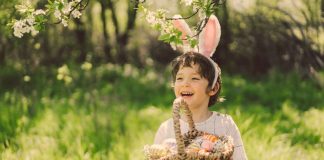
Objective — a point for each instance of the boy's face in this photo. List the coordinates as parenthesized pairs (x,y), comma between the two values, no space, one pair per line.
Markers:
(192,87)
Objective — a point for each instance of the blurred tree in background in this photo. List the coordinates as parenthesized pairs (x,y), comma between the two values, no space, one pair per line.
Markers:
(103,32)
(99,88)
(257,36)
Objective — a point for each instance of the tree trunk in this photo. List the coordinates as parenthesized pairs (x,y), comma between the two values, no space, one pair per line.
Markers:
(107,47)
(2,53)
(123,39)
(121,49)
(80,34)
(226,36)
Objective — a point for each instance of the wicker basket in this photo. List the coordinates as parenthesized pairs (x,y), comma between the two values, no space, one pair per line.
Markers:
(183,141)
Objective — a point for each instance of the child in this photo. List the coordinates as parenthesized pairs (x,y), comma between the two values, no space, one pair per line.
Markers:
(196,79)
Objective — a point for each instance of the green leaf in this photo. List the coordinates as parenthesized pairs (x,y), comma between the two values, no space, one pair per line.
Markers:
(50,2)
(173,38)
(193,42)
(39,18)
(164,37)
(141,8)
(179,41)
(179,33)
(60,6)
(157,26)
(39,27)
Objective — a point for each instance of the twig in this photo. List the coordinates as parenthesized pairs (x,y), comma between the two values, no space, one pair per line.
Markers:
(184,17)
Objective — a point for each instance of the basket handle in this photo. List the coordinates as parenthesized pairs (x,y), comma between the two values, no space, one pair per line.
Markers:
(177,104)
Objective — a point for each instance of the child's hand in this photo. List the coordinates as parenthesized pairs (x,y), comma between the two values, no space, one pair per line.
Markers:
(180,101)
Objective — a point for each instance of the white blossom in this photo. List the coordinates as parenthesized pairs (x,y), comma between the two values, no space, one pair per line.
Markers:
(18,33)
(150,18)
(39,11)
(26,24)
(20,28)
(201,14)
(57,14)
(30,20)
(76,14)
(64,22)
(167,28)
(22,8)
(67,8)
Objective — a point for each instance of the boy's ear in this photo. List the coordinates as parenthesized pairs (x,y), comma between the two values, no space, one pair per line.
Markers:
(214,90)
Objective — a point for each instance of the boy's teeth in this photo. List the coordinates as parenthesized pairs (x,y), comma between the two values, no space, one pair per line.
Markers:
(186,93)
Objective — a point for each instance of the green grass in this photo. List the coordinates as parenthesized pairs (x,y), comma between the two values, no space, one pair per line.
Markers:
(111,112)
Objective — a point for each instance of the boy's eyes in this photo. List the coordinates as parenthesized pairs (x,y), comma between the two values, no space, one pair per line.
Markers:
(179,78)
(193,78)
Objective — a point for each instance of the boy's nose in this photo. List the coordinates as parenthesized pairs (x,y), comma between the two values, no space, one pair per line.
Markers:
(186,83)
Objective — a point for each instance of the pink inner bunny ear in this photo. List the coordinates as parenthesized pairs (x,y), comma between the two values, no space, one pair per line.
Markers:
(209,37)
(182,26)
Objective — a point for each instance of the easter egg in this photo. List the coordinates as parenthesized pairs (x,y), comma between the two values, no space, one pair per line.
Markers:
(207,145)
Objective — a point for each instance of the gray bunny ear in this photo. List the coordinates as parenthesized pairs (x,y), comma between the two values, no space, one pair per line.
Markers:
(209,37)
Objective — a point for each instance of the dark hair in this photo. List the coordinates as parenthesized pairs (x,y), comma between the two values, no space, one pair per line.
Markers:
(190,58)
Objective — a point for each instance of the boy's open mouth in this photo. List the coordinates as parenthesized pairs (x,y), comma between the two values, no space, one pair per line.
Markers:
(186,94)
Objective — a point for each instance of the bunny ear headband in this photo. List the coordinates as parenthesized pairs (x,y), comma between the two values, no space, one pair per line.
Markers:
(208,39)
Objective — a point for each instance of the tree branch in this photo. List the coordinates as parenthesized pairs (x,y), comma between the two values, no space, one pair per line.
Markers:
(184,17)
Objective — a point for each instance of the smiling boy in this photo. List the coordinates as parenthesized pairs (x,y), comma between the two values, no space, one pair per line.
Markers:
(193,76)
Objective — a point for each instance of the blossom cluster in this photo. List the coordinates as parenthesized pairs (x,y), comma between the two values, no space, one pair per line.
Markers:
(62,10)
(159,21)
(168,33)
(29,24)
(33,21)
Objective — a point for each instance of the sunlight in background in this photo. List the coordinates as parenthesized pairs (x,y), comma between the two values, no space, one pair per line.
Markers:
(242,5)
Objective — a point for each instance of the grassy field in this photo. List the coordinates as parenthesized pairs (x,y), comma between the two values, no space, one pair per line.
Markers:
(111,112)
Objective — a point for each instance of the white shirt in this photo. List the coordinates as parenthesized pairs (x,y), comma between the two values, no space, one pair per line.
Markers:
(217,124)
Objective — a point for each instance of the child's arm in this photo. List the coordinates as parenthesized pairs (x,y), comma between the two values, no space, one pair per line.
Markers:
(162,133)
(239,151)
(159,136)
